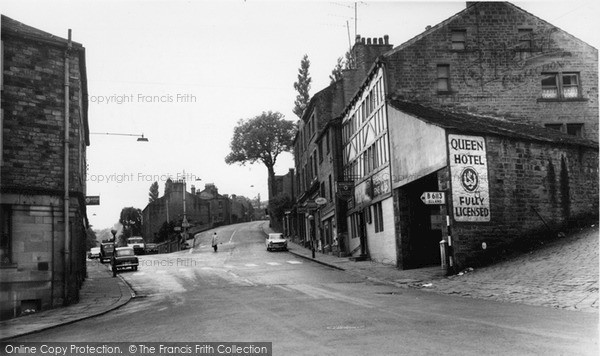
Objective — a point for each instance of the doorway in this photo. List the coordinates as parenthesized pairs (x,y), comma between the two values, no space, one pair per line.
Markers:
(419,237)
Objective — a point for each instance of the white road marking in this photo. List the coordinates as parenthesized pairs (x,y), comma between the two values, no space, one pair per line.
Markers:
(139,273)
(251,265)
(161,271)
(294,262)
(233,233)
(316,293)
(273,263)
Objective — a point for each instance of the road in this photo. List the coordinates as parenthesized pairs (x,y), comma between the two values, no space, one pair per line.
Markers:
(244,293)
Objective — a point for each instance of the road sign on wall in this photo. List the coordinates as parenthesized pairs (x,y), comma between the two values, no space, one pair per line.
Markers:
(433,198)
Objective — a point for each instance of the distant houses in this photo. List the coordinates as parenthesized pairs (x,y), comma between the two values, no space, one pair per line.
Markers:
(164,218)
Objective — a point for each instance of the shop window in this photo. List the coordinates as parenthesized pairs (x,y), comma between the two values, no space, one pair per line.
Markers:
(443,78)
(560,86)
(459,39)
(378,217)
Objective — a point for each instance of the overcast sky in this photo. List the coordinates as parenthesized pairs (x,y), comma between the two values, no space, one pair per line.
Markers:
(184,72)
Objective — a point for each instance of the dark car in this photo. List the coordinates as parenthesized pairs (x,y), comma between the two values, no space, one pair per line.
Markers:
(151,248)
(106,251)
(124,257)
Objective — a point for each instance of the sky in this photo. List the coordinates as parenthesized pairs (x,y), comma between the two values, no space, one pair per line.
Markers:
(183,73)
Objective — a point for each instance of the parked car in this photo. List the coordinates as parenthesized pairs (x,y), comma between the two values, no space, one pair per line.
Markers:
(106,251)
(124,257)
(94,253)
(151,248)
(276,242)
(137,243)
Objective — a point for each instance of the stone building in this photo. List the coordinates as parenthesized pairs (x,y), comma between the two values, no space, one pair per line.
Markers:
(220,205)
(241,209)
(504,183)
(43,141)
(494,62)
(169,208)
(494,58)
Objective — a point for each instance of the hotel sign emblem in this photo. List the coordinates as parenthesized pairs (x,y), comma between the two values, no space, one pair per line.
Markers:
(469,172)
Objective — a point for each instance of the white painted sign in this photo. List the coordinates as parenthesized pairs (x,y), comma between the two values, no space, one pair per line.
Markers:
(433,198)
(468,169)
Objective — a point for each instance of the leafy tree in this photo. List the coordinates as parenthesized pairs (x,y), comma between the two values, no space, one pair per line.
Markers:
(153,194)
(277,207)
(131,219)
(166,230)
(336,73)
(302,86)
(349,62)
(261,138)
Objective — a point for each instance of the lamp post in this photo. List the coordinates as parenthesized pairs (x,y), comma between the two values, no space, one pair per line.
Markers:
(141,137)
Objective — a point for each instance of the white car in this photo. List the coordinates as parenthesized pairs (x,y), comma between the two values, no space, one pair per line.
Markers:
(94,253)
(276,242)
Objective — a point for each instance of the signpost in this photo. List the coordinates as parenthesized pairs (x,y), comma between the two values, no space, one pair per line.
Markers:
(433,198)
(92,200)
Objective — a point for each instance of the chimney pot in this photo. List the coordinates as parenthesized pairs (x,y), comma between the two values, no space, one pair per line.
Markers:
(357,39)
(362,40)
(368,41)
(428,28)
(386,38)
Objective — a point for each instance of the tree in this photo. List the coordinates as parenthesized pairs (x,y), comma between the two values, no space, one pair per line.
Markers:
(336,73)
(261,138)
(131,219)
(302,86)
(277,207)
(153,194)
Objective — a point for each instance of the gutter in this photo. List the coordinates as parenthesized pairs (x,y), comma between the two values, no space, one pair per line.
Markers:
(67,253)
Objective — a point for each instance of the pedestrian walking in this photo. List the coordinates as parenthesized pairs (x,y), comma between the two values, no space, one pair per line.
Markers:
(215,241)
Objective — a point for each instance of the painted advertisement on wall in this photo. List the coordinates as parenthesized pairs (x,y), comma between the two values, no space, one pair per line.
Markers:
(469,172)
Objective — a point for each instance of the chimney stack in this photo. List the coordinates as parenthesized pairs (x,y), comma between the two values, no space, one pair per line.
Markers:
(193,188)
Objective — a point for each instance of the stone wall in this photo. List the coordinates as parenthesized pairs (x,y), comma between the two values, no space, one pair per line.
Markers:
(536,189)
(34,106)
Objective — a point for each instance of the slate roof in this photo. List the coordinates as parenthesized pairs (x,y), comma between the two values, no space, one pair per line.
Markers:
(488,125)
(14,27)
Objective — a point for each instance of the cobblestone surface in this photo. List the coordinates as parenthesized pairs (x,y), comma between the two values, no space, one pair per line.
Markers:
(562,274)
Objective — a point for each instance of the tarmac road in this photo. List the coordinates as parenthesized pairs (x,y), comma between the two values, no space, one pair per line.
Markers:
(244,293)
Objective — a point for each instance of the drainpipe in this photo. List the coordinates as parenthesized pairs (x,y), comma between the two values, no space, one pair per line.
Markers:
(67,254)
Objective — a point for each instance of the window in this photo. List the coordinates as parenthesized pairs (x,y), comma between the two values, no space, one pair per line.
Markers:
(378,217)
(575,129)
(320,149)
(557,127)
(5,235)
(330,189)
(525,36)
(443,78)
(560,85)
(459,38)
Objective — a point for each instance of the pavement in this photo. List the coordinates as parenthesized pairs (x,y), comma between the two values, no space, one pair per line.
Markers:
(561,274)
